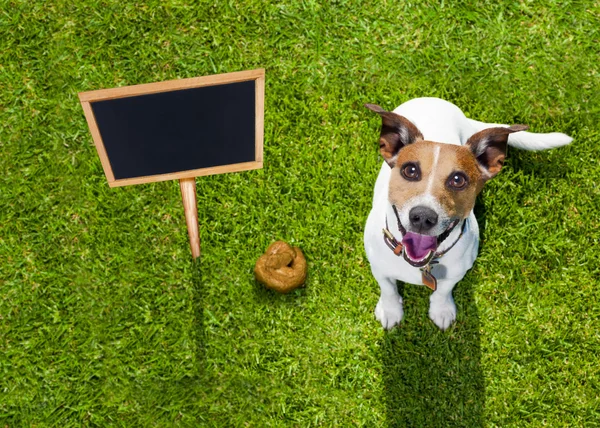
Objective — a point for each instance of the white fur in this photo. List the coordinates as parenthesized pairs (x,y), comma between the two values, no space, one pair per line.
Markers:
(436,158)
(442,122)
(528,140)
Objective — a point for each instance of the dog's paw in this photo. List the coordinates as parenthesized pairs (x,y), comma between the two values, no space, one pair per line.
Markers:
(442,313)
(389,313)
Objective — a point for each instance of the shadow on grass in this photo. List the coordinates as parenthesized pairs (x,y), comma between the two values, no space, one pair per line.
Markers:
(434,378)
(199,304)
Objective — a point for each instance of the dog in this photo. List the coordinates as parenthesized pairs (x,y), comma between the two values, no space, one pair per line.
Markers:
(421,229)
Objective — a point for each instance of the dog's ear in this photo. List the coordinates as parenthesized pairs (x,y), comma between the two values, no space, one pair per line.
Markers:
(396,132)
(489,147)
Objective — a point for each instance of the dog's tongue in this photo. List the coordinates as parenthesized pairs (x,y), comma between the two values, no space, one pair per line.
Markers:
(418,246)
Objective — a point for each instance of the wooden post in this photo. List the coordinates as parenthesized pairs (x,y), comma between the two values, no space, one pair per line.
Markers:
(188,196)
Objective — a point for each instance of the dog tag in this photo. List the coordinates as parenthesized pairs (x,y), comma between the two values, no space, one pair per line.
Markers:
(428,279)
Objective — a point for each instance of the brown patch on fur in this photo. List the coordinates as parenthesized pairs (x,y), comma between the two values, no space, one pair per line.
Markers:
(451,159)
(489,147)
(396,133)
(421,154)
(454,159)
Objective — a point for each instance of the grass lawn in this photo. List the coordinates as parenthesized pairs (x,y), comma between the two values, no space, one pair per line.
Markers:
(105,320)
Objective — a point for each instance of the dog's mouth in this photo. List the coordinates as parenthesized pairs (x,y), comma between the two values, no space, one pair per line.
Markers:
(419,250)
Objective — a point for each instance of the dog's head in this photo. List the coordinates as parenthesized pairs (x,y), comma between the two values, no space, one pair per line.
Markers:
(433,185)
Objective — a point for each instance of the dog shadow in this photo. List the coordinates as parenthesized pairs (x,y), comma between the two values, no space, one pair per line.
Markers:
(434,378)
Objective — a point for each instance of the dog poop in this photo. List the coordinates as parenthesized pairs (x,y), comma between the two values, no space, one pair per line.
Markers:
(282,268)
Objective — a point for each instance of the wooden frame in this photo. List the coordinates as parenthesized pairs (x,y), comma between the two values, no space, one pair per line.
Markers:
(258,75)
(187,181)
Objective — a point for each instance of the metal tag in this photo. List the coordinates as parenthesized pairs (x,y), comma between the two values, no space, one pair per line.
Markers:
(428,278)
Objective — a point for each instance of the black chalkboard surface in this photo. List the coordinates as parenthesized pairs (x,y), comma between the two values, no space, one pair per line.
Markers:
(177,129)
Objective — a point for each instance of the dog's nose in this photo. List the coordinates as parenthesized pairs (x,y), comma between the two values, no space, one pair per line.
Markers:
(422,218)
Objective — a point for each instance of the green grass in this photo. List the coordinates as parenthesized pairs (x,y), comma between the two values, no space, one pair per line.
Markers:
(104,319)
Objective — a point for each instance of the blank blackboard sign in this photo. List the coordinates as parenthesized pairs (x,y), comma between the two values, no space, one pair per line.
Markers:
(178,129)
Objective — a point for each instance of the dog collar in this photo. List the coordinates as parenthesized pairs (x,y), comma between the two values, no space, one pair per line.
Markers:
(427,277)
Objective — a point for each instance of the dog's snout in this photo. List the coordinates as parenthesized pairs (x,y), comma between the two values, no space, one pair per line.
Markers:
(422,218)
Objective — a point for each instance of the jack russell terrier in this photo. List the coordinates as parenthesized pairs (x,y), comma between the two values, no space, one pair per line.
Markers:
(421,229)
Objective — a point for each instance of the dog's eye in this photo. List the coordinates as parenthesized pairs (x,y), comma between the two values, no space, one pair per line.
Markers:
(458,181)
(410,171)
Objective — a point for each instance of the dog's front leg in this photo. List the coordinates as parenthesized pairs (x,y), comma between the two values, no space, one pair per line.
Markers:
(389,310)
(442,309)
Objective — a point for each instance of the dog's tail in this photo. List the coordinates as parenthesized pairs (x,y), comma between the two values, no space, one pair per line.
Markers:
(528,140)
